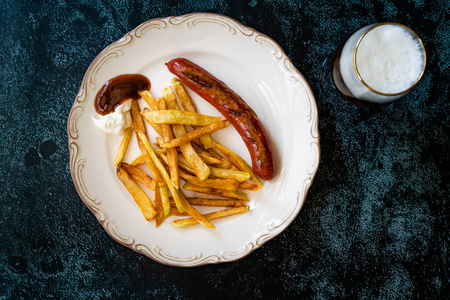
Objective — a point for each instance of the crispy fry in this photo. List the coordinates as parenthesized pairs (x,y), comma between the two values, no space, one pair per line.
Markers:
(200,167)
(156,127)
(230,174)
(159,141)
(164,194)
(123,146)
(139,127)
(206,156)
(151,165)
(174,212)
(159,217)
(211,216)
(238,162)
(239,176)
(142,200)
(172,154)
(139,176)
(202,153)
(186,100)
(193,212)
(189,105)
(215,192)
(138,122)
(249,186)
(233,167)
(225,164)
(192,135)
(178,117)
(216,202)
(183,164)
(138,160)
(212,202)
(143,138)
(209,159)
(148,97)
(207,141)
(217,183)
(159,151)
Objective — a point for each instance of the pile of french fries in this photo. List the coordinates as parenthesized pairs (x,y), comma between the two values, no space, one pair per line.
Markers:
(183,152)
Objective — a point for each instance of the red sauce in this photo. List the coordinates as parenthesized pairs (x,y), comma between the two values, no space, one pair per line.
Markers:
(118,90)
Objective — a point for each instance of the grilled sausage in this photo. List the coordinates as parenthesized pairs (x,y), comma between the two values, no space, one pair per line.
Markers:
(234,108)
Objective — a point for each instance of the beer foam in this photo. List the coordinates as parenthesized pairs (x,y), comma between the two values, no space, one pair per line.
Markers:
(390,59)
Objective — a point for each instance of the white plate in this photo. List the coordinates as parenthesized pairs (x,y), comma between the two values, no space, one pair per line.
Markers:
(256,68)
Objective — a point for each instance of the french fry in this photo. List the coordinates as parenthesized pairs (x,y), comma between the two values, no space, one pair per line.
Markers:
(193,212)
(225,164)
(207,141)
(212,202)
(206,156)
(202,153)
(172,154)
(143,138)
(217,183)
(189,105)
(210,160)
(141,132)
(230,174)
(164,194)
(123,146)
(174,212)
(139,127)
(138,122)
(159,217)
(233,167)
(215,192)
(156,127)
(141,198)
(183,164)
(238,162)
(138,160)
(139,176)
(249,186)
(178,117)
(195,134)
(201,169)
(148,97)
(211,216)
(159,141)
(186,100)
(159,151)
(239,176)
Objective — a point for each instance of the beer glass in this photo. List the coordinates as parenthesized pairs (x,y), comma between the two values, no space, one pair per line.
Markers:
(376,65)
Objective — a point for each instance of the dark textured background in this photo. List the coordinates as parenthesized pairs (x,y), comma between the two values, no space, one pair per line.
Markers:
(375,223)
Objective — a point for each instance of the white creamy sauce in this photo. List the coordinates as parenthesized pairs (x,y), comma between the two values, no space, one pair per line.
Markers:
(117,121)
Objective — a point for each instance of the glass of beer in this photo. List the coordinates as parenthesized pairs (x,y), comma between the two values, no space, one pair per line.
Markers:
(377,64)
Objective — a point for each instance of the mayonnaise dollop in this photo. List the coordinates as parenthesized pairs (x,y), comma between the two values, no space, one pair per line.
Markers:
(117,121)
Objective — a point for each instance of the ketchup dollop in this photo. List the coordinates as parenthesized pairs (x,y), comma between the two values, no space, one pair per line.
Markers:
(118,90)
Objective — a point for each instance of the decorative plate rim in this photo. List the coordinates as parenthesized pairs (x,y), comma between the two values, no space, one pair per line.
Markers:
(77,164)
